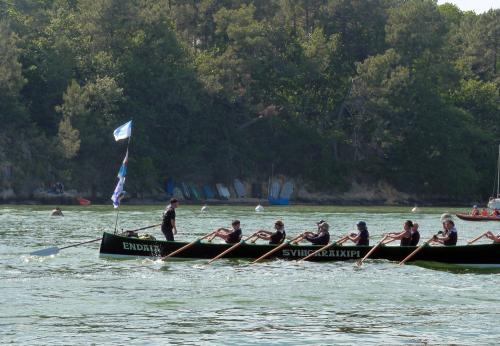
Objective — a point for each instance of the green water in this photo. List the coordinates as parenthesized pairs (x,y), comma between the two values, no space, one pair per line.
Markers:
(75,298)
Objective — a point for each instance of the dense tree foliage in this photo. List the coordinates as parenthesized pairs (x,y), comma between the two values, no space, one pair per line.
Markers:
(328,91)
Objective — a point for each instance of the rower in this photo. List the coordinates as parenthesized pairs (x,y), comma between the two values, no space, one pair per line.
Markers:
(322,237)
(415,235)
(231,236)
(474,211)
(276,237)
(450,235)
(404,235)
(495,212)
(490,235)
(57,212)
(362,237)
(484,212)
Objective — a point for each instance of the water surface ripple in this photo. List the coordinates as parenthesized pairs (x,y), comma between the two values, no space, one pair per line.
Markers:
(76,298)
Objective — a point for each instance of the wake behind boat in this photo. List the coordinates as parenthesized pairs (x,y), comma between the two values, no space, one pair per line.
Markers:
(473,256)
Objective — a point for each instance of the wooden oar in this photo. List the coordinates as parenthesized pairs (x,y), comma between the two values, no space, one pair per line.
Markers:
(327,246)
(232,248)
(375,247)
(187,246)
(55,250)
(297,238)
(476,239)
(416,251)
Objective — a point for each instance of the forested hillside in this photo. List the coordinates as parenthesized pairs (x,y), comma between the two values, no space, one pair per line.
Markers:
(329,91)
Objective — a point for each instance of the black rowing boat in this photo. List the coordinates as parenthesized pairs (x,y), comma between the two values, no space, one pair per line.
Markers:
(480,256)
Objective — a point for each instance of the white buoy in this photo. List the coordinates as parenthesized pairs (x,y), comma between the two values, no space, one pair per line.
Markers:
(415,209)
(204,209)
(259,208)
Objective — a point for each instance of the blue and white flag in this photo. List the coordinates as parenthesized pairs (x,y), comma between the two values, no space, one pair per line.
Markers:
(123,168)
(119,193)
(123,132)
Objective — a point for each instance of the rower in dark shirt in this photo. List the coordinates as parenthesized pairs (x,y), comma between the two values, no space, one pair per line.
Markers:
(231,236)
(362,237)
(450,235)
(415,235)
(405,235)
(322,237)
(276,237)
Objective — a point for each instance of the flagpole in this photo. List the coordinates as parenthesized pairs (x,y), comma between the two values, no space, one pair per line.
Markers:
(119,199)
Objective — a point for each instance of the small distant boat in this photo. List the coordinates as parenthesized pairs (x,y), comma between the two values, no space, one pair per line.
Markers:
(259,208)
(204,209)
(415,209)
(83,201)
(478,217)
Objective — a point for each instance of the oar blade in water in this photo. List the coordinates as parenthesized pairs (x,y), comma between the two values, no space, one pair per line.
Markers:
(46,252)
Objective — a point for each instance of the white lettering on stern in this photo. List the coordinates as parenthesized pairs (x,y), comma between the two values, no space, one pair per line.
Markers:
(324,253)
(141,247)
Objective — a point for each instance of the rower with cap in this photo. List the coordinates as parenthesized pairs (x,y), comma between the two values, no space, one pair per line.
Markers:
(276,237)
(231,236)
(362,237)
(450,234)
(321,237)
(404,235)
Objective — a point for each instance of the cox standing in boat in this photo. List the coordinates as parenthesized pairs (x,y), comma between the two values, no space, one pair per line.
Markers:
(168,227)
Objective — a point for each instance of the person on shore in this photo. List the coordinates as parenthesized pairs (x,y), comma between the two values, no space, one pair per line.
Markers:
(474,211)
(230,236)
(404,235)
(168,226)
(276,237)
(490,235)
(484,212)
(56,212)
(322,237)
(415,235)
(362,238)
(450,234)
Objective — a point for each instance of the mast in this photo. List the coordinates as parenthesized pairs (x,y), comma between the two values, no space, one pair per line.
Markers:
(498,172)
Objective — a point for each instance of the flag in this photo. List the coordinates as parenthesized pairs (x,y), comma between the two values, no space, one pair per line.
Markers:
(119,193)
(123,132)
(123,168)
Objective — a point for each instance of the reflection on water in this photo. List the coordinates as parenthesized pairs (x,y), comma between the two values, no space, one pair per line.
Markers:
(75,297)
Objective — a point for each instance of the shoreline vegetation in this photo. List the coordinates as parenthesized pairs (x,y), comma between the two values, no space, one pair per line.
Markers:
(365,102)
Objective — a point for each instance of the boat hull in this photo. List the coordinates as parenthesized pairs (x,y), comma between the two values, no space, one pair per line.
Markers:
(469,255)
(477,218)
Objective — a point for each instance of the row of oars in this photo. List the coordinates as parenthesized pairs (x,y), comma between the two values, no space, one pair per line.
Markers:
(54,250)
